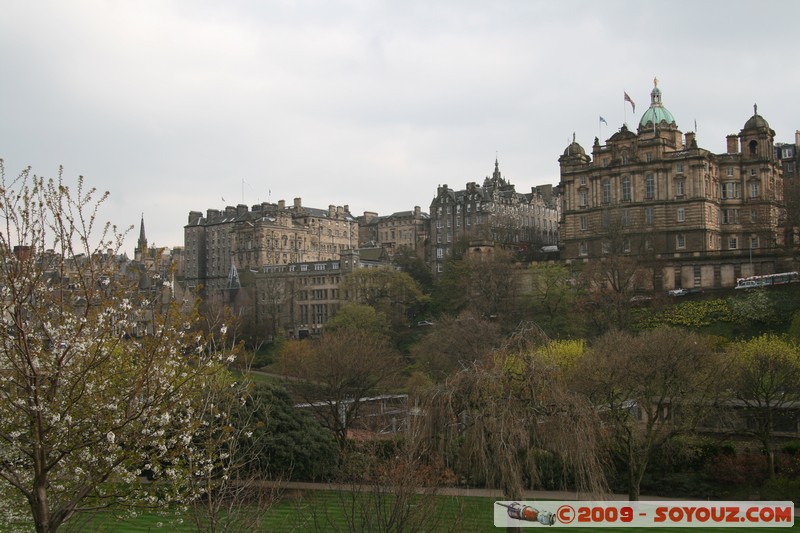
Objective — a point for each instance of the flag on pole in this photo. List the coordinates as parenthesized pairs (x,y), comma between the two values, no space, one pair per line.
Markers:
(628,99)
(603,120)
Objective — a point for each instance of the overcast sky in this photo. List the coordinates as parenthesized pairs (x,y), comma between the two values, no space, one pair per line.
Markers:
(186,105)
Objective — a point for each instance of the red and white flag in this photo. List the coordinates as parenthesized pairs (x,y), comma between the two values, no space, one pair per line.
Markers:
(628,99)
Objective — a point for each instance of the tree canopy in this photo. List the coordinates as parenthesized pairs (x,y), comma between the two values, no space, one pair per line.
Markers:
(99,382)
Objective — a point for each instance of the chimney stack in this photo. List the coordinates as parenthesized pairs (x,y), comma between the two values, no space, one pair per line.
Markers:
(733,143)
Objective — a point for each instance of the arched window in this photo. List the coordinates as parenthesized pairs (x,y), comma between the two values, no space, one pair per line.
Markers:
(753,147)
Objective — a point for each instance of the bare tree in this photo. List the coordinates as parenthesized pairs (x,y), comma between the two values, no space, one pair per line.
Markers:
(612,279)
(764,378)
(337,372)
(231,494)
(392,486)
(496,420)
(648,389)
(455,343)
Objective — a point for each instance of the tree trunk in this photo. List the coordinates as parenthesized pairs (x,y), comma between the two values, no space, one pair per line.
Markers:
(41,512)
(635,472)
(633,485)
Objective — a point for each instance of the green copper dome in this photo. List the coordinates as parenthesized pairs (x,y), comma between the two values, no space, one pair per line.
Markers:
(656,113)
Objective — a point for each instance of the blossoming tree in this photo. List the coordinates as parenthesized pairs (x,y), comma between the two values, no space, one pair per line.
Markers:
(89,403)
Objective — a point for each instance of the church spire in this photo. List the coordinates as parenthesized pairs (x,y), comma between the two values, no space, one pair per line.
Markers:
(141,245)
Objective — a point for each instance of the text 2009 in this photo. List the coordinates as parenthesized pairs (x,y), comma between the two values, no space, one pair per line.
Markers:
(604,514)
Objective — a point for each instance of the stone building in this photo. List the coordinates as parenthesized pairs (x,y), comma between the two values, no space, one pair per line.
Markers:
(403,229)
(239,238)
(703,218)
(494,214)
(299,298)
(789,156)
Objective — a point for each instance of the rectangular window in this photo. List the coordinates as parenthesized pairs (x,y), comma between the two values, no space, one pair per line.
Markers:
(730,190)
(680,241)
(648,157)
(753,242)
(648,216)
(754,215)
(754,189)
(730,216)
(753,172)
(649,186)
(583,249)
(626,189)
(680,185)
(583,181)
(681,214)
(733,243)
(626,217)
(679,168)
(730,171)
(584,223)
(582,199)
(606,192)
(605,162)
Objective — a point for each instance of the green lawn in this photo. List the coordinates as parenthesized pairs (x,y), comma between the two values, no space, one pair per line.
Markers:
(312,511)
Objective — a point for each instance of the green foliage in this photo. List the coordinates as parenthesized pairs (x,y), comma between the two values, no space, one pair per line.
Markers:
(743,314)
(415,266)
(794,327)
(553,297)
(388,291)
(291,443)
(692,314)
(451,289)
(358,317)
(781,489)
(753,306)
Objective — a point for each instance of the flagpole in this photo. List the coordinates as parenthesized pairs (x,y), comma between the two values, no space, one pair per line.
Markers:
(624,111)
